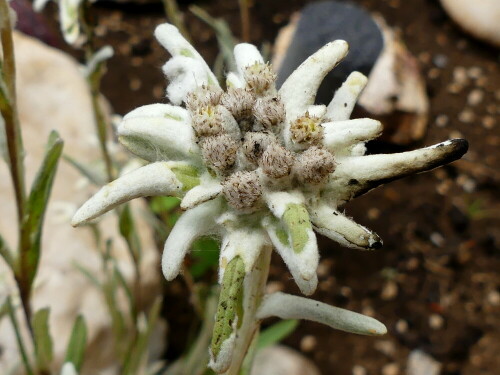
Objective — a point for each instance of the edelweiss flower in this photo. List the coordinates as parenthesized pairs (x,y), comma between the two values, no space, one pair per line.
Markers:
(255,165)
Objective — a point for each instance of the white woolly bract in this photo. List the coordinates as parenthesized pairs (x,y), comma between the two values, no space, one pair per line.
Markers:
(355,175)
(202,193)
(68,369)
(299,90)
(173,41)
(194,223)
(338,135)
(301,265)
(344,100)
(277,201)
(223,360)
(336,226)
(234,81)
(245,242)
(286,306)
(159,138)
(171,112)
(69,17)
(152,179)
(97,58)
(318,110)
(185,75)
(246,55)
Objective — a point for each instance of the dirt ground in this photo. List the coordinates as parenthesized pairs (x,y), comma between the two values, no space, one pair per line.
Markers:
(435,283)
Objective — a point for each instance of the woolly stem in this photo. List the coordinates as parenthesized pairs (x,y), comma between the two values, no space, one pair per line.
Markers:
(254,289)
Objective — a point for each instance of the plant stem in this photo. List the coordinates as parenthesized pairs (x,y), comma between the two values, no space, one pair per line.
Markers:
(175,17)
(9,112)
(245,20)
(254,288)
(94,82)
(8,108)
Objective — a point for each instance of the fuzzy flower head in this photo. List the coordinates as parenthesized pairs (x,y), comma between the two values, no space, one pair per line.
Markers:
(254,165)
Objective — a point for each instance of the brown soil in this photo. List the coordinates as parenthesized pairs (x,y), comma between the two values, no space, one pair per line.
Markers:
(435,282)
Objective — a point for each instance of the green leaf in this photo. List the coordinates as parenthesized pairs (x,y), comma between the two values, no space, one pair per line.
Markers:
(36,207)
(134,360)
(223,34)
(88,274)
(19,339)
(129,233)
(123,283)
(276,333)
(117,320)
(92,175)
(77,342)
(6,254)
(3,139)
(164,204)
(205,255)
(43,341)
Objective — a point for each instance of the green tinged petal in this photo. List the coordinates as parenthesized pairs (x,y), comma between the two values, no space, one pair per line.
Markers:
(230,304)
(187,175)
(297,224)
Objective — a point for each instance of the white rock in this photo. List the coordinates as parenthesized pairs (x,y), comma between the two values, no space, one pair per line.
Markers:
(480,18)
(280,360)
(53,95)
(395,84)
(420,363)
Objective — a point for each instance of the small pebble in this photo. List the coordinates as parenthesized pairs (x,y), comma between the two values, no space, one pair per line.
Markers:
(359,370)
(436,321)
(401,326)
(308,343)
(482,81)
(346,291)
(389,291)
(136,61)
(325,268)
(420,363)
(158,91)
(434,73)
(466,116)
(424,57)
(368,311)
(475,72)
(475,97)
(373,213)
(492,109)
(441,121)
(124,49)
(467,183)
(135,84)
(440,60)
(460,75)
(493,298)
(454,88)
(412,264)
(386,347)
(488,122)
(390,369)
(437,239)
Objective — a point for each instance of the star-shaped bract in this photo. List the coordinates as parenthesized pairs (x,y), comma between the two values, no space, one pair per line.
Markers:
(256,166)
